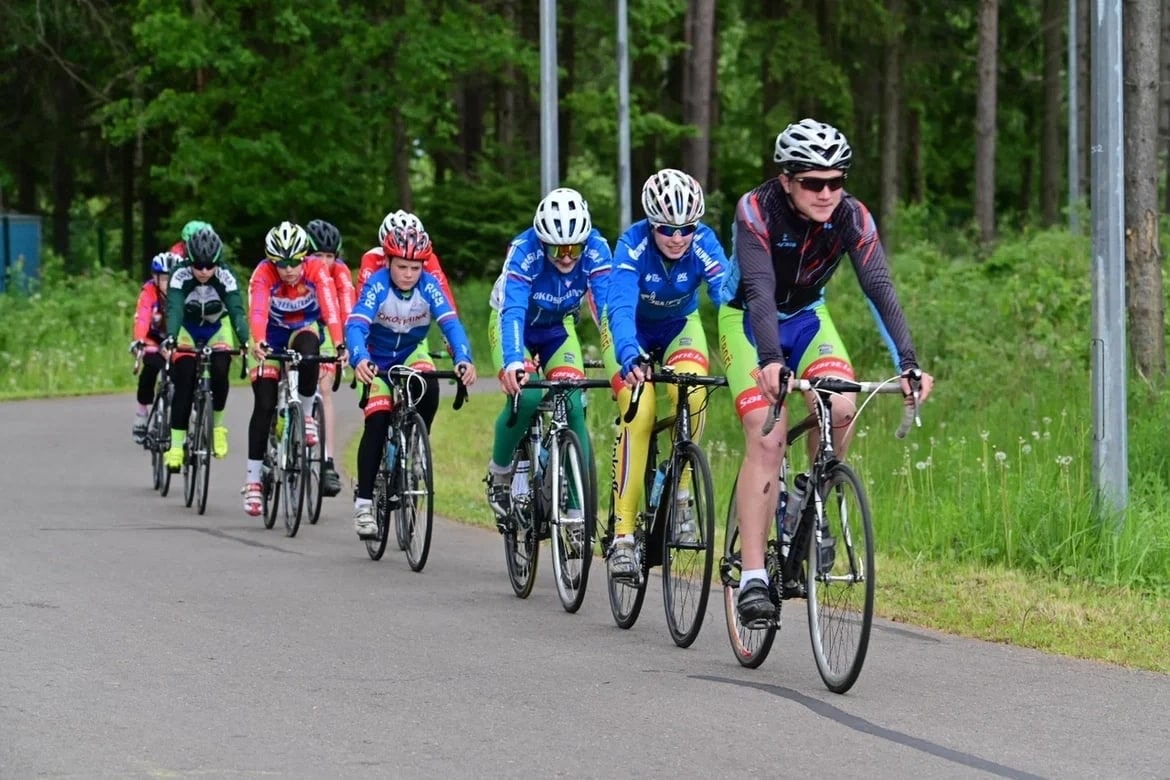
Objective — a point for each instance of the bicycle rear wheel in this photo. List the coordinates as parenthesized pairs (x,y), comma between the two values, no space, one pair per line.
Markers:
(841,580)
(521,543)
(160,435)
(292,474)
(687,554)
(203,454)
(573,513)
(376,547)
(316,461)
(416,504)
(750,645)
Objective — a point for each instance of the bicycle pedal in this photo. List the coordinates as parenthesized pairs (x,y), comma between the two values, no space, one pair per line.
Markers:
(369,537)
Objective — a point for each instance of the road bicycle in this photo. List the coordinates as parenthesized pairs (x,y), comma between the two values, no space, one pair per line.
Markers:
(404,487)
(554,495)
(292,467)
(197,445)
(158,425)
(660,534)
(823,553)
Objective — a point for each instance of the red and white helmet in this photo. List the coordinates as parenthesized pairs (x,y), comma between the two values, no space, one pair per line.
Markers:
(407,243)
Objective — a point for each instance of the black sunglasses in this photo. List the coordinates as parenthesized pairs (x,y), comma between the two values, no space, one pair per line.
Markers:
(810,184)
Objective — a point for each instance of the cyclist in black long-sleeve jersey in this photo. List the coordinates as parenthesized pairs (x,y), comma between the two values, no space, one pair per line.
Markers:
(791,233)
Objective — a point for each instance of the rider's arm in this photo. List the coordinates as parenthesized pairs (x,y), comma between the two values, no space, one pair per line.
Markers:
(432,266)
(327,299)
(621,303)
(365,309)
(518,274)
(259,297)
(234,302)
(598,260)
(445,316)
(757,277)
(343,285)
(873,273)
(144,312)
(372,262)
(714,259)
(181,281)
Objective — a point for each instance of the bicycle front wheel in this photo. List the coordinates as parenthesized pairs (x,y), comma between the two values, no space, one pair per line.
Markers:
(416,504)
(688,543)
(292,474)
(160,432)
(203,454)
(750,645)
(315,462)
(841,580)
(574,512)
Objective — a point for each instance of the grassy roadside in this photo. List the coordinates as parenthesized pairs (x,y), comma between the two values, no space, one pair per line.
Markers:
(1080,620)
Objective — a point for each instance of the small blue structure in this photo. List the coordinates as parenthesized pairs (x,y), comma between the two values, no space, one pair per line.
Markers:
(20,250)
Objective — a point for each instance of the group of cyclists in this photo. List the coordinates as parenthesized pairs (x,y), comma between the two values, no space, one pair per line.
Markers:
(790,235)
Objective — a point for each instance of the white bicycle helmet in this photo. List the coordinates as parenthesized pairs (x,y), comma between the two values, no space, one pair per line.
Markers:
(562,218)
(399,219)
(673,197)
(286,241)
(809,144)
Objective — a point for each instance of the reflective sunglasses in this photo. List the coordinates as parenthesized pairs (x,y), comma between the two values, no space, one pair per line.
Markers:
(809,184)
(202,265)
(670,231)
(572,250)
(293,262)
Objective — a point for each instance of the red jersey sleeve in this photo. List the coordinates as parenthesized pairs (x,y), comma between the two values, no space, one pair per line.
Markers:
(372,261)
(144,313)
(343,285)
(431,265)
(322,279)
(264,278)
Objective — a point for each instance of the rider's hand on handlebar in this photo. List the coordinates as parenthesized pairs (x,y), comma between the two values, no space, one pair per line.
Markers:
(137,346)
(513,378)
(924,381)
(365,371)
(636,371)
(772,378)
(260,351)
(467,372)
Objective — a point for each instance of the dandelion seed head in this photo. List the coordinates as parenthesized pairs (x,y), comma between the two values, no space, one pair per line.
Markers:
(921,465)
(1036,435)
(1046,420)
(1000,456)
(1026,449)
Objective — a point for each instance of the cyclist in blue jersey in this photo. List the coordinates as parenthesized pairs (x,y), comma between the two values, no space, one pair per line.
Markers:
(652,310)
(548,270)
(388,327)
(790,235)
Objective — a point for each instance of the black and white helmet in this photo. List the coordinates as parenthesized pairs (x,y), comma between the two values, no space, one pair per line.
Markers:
(286,241)
(324,236)
(204,248)
(399,219)
(562,218)
(809,144)
(673,197)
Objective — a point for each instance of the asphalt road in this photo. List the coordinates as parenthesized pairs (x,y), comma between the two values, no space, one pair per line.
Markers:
(138,639)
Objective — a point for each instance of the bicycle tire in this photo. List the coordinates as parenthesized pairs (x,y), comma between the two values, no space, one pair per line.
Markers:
(316,462)
(418,482)
(685,607)
(838,625)
(203,439)
(189,445)
(292,473)
(572,542)
(376,547)
(162,441)
(521,544)
(401,528)
(269,483)
(626,597)
(749,645)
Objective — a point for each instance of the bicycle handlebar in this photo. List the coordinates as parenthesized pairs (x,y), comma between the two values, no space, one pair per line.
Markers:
(564,385)
(669,376)
(403,373)
(829,384)
(297,359)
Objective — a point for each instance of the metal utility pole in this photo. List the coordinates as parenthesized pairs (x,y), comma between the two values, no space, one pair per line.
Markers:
(1110,451)
(550,177)
(623,63)
(1074,128)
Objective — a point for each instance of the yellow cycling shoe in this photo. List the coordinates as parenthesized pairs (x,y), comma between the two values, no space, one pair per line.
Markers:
(219,441)
(173,458)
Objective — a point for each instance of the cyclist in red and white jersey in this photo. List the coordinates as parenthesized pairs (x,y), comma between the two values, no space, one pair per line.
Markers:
(791,233)
(150,330)
(325,239)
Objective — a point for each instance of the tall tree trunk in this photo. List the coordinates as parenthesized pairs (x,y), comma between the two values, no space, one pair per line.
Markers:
(771,90)
(128,172)
(64,186)
(506,100)
(472,108)
(1084,87)
(27,181)
(915,168)
(985,116)
(1143,257)
(1051,149)
(891,114)
(402,161)
(1164,96)
(700,36)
